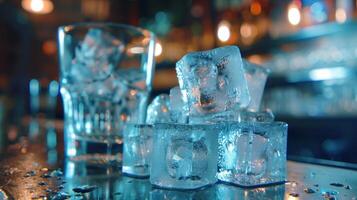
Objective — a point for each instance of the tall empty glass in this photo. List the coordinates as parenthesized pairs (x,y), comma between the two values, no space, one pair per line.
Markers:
(106,74)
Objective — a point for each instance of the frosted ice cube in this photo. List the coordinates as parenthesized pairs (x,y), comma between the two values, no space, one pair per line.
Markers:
(213,81)
(178,108)
(187,159)
(158,111)
(256,77)
(96,56)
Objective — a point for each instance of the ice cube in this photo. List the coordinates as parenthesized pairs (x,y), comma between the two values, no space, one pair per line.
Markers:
(213,81)
(246,116)
(96,56)
(158,111)
(256,77)
(233,115)
(252,153)
(137,149)
(178,108)
(186,158)
(112,89)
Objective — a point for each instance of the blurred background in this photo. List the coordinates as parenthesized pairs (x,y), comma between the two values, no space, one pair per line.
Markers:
(310,46)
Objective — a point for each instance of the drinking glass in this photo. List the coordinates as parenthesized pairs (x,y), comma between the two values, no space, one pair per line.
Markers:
(106,72)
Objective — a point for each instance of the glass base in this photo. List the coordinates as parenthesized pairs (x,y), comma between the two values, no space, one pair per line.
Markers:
(140,171)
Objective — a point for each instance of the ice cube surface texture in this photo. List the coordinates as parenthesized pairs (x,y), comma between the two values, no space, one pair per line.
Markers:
(213,81)
(137,149)
(159,110)
(252,153)
(178,107)
(256,77)
(185,156)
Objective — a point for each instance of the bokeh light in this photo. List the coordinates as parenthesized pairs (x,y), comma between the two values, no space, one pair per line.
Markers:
(158,49)
(294,15)
(255,8)
(340,15)
(223,32)
(38,6)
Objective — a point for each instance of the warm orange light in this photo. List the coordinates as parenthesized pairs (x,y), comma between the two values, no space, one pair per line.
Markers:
(49,47)
(255,8)
(37,6)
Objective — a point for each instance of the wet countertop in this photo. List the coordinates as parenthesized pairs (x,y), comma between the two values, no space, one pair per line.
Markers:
(32,166)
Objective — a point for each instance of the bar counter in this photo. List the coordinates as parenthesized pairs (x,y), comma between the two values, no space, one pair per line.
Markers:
(32,166)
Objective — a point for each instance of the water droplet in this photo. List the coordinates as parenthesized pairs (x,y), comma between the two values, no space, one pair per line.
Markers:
(30,173)
(309,190)
(84,189)
(329,194)
(42,183)
(337,184)
(294,194)
(348,187)
(60,187)
(45,175)
(57,173)
(61,196)
(44,169)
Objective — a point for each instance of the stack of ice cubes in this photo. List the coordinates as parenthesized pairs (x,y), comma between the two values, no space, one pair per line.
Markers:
(218,86)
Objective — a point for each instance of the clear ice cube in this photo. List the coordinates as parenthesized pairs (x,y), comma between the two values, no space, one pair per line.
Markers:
(158,111)
(185,156)
(178,108)
(256,77)
(213,81)
(96,56)
(252,153)
(137,149)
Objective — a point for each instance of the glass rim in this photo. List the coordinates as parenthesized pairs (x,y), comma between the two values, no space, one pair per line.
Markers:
(224,123)
(68,27)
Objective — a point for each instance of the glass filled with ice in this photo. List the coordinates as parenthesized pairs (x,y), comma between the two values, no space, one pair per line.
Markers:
(106,71)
